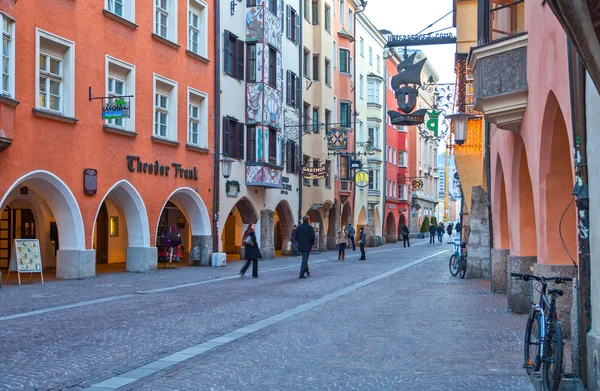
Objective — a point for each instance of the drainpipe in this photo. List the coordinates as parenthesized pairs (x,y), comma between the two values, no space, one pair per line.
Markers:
(217,149)
(300,115)
(486,125)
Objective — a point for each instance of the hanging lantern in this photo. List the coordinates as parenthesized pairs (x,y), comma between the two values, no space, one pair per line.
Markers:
(460,126)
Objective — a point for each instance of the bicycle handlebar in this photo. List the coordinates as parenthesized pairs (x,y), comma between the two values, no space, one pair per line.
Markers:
(526,277)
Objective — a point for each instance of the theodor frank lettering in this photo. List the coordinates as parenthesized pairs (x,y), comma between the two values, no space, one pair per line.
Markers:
(135,164)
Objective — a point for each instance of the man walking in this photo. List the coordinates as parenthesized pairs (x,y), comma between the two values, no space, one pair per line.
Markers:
(432,231)
(351,233)
(362,237)
(305,236)
(449,230)
(405,235)
(294,241)
(440,232)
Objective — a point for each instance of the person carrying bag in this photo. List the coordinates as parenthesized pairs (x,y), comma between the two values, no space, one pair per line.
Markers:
(252,252)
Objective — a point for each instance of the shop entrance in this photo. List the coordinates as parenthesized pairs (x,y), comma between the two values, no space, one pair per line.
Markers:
(173,222)
(14,224)
(242,214)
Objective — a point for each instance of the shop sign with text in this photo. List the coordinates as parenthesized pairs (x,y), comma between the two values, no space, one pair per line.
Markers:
(135,164)
(314,172)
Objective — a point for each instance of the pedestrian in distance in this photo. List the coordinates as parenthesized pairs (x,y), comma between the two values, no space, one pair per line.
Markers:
(457,228)
(252,252)
(341,241)
(432,231)
(362,238)
(294,241)
(351,234)
(305,234)
(405,236)
(440,232)
(449,230)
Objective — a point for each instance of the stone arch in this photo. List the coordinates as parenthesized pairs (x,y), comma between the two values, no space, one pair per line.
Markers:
(401,223)
(346,214)
(286,223)
(391,235)
(377,222)
(247,211)
(524,240)
(556,178)
(501,206)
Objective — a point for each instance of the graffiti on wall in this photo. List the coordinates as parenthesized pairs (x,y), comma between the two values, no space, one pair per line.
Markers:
(254,24)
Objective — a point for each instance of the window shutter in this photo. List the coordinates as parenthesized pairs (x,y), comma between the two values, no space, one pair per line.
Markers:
(288,19)
(288,91)
(240,59)
(240,140)
(298,91)
(226,147)
(298,19)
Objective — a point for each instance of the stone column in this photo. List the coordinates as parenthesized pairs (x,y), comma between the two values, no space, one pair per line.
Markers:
(564,303)
(141,259)
(478,233)
(205,244)
(332,229)
(499,270)
(267,239)
(519,293)
(73,264)
(593,361)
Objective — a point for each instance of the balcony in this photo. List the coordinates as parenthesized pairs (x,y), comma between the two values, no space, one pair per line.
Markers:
(260,174)
(499,65)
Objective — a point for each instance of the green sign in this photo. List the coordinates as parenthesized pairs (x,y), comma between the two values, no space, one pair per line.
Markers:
(433,122)
(119,108)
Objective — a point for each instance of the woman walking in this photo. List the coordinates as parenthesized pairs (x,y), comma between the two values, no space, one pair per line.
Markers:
(252,251)
(342,240)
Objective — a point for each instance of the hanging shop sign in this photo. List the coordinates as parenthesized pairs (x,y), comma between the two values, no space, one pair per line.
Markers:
(406,89)
(90,181)
(433,121)
(417,184)
(314,172)
(355,164)
(420,39)
(361,179)
(337,139)
(118,108)
(135,164)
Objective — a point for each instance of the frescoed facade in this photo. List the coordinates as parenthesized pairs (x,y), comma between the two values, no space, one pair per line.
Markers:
(263,187)
(110,186)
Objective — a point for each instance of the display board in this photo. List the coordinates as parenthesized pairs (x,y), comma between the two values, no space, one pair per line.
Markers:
(26,258)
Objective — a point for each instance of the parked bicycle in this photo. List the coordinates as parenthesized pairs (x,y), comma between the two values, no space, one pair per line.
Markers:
(458,260)
(543,335)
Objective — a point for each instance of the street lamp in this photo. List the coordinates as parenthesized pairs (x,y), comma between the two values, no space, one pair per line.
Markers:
(460,126)
(226,163)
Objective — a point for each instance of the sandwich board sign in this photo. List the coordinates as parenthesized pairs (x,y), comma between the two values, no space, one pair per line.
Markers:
(26,258)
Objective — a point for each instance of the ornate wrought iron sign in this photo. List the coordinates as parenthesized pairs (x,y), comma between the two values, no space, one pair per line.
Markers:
(337,139)
(406,88)
(420,39)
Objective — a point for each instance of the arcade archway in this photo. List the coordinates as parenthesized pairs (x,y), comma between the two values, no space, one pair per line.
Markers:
(390,229)
(242,214)
(284,222)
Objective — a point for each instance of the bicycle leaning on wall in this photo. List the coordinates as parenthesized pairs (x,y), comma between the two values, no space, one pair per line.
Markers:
(543,335)
(458,260)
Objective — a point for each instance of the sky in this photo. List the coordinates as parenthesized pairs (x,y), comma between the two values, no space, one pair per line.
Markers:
(412,16)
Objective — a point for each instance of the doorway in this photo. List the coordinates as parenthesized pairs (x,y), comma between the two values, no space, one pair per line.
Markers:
(102,235)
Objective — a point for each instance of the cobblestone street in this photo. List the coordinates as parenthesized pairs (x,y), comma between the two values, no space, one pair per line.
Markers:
(398,321)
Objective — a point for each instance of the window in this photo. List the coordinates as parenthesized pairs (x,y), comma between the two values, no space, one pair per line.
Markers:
(165,108)
(327,119)
(402,159)
(361,131)
(198,27)
(371,180)
(342,11)
(402,191)
(233,53)
(306,11)
(316,164)
(272,145)
(233,138)
(251,143)
(344,167)
(362,47)
(250,3)
(306,114)
(197,118)
(291,151)
(371,138)
(373,92)
(315,12)
(328,177)
(273,6)
(55,84)
(378,64)
(120,80)
(123,8)
(344,60)
(350,20)
(272,67)
(251,69)
(345,114)
(293,25)
(292,89)
(315,120)
(327,18)
(334,54)
(7,82)
(306,64)
(316,66)
(394,156)
(165,19)
(361,87)
(374,136)
(306,163)
(370,55)
(328,72)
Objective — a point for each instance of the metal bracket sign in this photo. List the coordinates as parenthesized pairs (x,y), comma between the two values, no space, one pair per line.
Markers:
(420,39)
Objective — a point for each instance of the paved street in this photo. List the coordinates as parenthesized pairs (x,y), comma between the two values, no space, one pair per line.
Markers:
(398,321)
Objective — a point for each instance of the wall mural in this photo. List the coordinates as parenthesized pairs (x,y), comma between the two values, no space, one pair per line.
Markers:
(260,51)
(254,24)
(273,107)
(254,102)
(273,34)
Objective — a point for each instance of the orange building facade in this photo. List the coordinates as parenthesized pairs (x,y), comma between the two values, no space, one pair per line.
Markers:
(93,190)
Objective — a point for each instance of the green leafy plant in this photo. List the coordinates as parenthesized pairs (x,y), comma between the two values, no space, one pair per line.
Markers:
(434,221)
(425,225)
(228,185)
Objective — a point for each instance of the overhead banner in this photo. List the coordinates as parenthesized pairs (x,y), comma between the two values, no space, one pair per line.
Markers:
(337,139)
(314,172)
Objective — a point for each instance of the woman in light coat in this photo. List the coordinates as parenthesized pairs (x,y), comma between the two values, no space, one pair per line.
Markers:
(341,240)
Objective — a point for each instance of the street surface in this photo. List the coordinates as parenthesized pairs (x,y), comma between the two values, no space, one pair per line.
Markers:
(398,321)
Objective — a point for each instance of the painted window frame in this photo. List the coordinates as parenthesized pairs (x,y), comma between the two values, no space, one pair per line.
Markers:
(129,79)
(192,96)
(171,12)
(198,8)
(172,105)
(7,80)
(347,69)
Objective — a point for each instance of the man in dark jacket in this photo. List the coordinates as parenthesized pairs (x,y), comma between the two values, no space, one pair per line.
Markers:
(440,232)
(449,230)
(432,230)
(351,233)
(405,235)
(294,241)
(362,238)
(305,235)
(458,227)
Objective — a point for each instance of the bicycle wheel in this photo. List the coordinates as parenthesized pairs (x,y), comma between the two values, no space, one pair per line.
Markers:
(532,344)
(462,269)
(453,265)
(553,357)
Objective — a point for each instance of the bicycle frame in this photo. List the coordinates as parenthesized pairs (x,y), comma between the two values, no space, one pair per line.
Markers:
(546,310)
